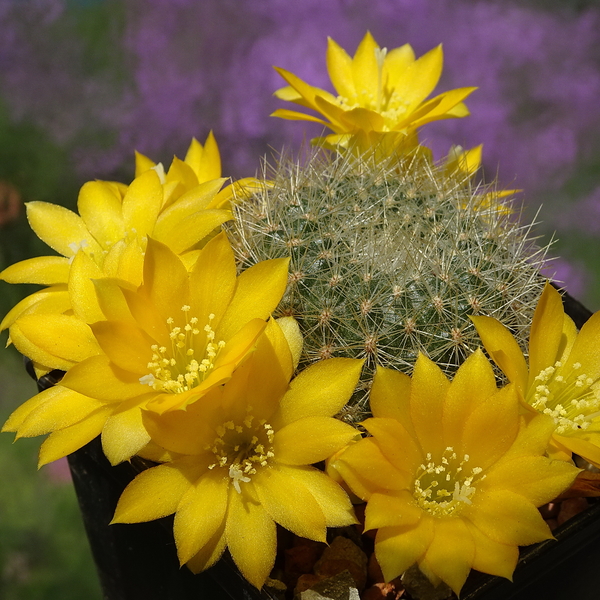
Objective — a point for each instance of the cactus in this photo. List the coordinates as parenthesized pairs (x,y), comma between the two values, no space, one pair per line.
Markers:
(389,259)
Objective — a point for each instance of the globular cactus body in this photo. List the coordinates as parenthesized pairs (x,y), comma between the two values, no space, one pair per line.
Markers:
(389,260)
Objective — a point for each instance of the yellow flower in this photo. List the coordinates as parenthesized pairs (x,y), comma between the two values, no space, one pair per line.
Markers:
(244,465)
(108,236)
(377,92)
(452,474)
(563,376)
(163,345)
(201,164)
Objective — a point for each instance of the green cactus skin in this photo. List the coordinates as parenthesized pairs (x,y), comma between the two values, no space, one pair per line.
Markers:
(389,260)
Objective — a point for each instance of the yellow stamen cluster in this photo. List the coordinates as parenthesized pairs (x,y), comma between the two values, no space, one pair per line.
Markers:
(388,103)
(390,106)
(243,447)
(177,369)
(441,489)
(567,396)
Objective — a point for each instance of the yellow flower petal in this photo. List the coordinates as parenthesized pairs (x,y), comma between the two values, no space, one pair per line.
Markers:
(54,299)
(307,92)
(321,389)
(213,279)
(259,290)
(100,208)
(390,394)
(366,470)
(60,408)
(82,290)
(339,67)
(142,164)
(590,451)
(200,513)
(546,330)
(463,397)
(269,369)
(182,174)
(392,510)
(195,199)
(154,493)
(60,228)
(210,553)
(364,65)
(398,548)
(492,557)
(289,503)
(205,161)
(551,478)
(360,119)
(292,115)
(144,314)
(44,270)
(99,378)
(142,203)
(24,410)
(189,231)
(533,437)
(58,341)
(175,224)
(585,348)
(443,106)
(125,344)
(451,552)
(509,518)
(125,261)
(184,432)
(165,279)
(65,441)
(428,391)
(111,300)
(124,434)
(291,330)
(491,428)
(311,439)
(251,538)
(331,498)
(396,64)
(394,442)
(420,77)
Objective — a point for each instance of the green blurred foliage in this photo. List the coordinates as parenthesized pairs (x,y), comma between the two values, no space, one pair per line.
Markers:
(43,548)
(39,170)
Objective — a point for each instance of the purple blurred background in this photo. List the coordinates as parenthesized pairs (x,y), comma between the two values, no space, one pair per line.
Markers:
(97,79)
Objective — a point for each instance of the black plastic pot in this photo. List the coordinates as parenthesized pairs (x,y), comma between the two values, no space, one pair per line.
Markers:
(139,561)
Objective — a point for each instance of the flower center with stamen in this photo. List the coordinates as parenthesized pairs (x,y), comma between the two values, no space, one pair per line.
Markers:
(390,106)
(444,488)
(242,448)
(566,394)
(76,247)
(388,103)
(189,359)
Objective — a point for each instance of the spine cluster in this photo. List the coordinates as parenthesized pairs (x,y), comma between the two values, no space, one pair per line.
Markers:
(389,260)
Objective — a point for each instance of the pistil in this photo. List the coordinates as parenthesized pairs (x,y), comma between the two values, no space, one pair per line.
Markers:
(242,448)
(442,489)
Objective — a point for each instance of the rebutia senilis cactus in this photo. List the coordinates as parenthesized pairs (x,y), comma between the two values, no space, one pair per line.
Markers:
(390,258)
